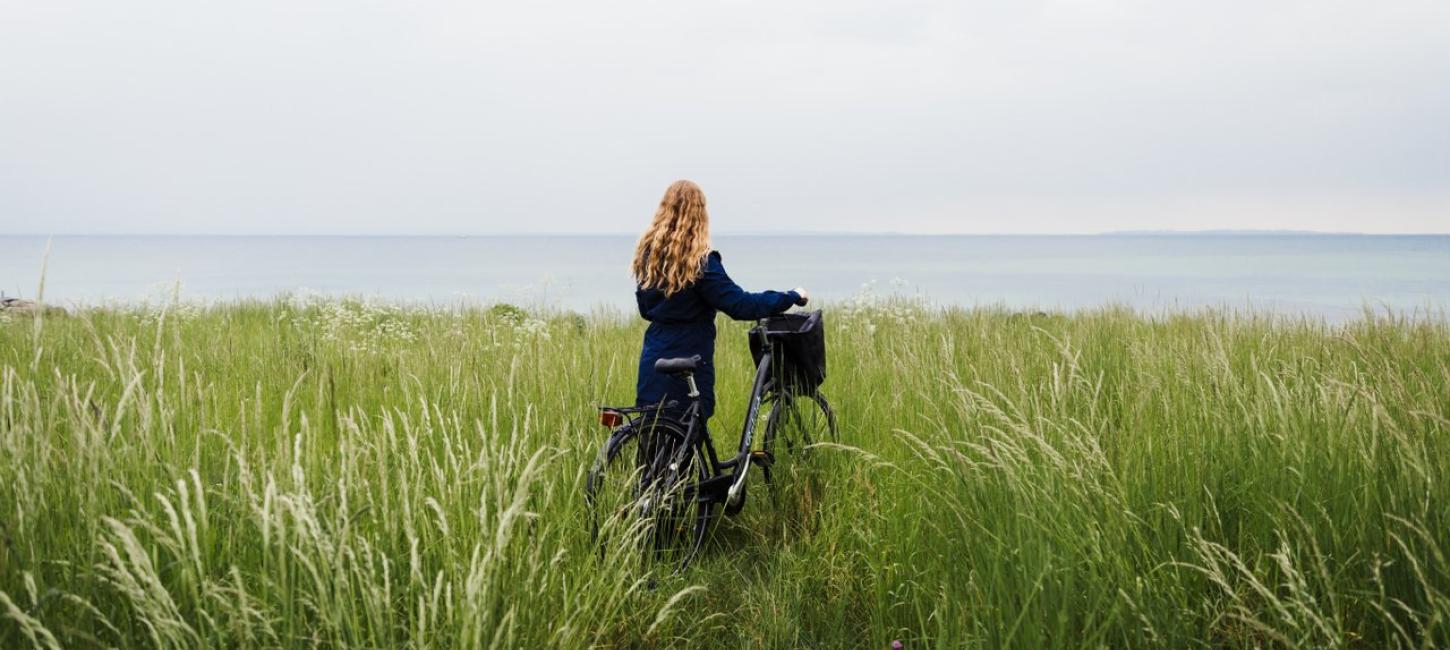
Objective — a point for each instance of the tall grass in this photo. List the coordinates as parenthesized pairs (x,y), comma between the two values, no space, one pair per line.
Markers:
(304,473)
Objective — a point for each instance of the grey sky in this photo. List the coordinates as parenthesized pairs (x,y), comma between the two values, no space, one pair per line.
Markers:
(348,116)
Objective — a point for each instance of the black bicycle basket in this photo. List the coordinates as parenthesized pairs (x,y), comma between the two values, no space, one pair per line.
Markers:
(799,340)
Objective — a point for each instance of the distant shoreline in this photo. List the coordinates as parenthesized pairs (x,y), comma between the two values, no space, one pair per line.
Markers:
(1113,233)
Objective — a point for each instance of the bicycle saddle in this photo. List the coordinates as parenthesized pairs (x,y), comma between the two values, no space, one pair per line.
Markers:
(677,365)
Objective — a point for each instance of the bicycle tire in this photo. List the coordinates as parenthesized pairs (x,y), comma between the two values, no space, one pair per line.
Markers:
(799,425)
(625,482)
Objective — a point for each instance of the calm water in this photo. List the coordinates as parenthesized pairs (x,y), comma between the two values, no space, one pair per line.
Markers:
(1329,275)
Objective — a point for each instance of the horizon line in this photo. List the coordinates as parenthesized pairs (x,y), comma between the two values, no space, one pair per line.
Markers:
(772,233)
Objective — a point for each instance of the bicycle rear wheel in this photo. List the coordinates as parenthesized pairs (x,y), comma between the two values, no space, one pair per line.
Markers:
(633,499)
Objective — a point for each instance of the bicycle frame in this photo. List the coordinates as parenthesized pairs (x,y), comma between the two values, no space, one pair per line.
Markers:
(739,464)
(728,475)
(719,481)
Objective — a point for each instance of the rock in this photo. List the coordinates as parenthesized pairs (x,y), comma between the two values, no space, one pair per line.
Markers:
(22,306)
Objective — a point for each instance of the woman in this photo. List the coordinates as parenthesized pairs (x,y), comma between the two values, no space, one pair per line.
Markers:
(681,284)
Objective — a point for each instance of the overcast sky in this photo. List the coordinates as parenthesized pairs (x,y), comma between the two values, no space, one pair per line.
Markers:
(357,117)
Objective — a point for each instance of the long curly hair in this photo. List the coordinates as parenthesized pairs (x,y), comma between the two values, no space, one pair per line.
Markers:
(671,253)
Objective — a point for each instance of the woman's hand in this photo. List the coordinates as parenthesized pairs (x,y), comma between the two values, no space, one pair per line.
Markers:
(804,298)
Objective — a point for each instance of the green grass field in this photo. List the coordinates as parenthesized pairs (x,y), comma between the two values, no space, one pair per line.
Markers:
(303,473)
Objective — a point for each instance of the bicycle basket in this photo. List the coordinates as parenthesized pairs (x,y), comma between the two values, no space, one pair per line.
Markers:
(799,341)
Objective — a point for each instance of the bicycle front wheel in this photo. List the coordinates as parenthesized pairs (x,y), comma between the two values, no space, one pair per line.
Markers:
(797,421)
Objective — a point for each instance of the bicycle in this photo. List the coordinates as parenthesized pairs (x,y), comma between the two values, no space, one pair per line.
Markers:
(659,466)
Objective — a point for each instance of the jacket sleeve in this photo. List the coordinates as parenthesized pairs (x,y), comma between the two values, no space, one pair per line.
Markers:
(723,294)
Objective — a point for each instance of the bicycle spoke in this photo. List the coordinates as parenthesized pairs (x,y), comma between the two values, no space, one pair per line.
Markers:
(798,421)
(643,491)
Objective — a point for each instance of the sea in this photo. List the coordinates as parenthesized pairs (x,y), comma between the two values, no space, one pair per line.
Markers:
(1333,277)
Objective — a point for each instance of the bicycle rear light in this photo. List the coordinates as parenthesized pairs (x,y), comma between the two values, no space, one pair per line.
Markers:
(610,419)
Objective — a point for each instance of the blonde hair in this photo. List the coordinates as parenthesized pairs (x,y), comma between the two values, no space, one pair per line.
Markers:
(671,253)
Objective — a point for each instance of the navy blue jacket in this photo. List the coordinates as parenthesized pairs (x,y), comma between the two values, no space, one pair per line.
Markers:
(683,325)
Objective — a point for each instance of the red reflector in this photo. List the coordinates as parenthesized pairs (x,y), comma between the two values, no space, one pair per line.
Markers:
(610,419)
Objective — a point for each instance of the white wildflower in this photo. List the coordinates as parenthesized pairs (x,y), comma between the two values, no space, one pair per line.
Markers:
(532,328)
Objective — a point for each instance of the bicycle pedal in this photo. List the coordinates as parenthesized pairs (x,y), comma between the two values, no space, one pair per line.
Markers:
(762,457)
